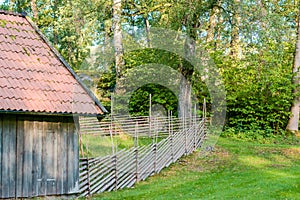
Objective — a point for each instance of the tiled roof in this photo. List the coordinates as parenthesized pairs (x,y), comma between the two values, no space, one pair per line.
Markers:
(33,77)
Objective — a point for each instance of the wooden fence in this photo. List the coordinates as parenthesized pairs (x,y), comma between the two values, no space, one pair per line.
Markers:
(128,166)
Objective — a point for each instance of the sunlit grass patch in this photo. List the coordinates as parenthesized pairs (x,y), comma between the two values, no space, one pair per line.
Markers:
(293,153)
(280,161)
(254,161)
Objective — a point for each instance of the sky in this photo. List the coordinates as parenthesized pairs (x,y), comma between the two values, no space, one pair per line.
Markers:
(2,1)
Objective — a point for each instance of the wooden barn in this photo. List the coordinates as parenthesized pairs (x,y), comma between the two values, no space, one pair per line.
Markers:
(40,101)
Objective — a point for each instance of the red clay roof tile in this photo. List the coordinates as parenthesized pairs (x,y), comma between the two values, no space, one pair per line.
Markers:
(33,77)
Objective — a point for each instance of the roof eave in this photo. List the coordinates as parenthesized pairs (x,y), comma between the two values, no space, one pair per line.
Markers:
(20,112)
(12,13)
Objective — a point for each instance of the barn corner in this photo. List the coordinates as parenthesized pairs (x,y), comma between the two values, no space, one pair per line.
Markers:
(40,101)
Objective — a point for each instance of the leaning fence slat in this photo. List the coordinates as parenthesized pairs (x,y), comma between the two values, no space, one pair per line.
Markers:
(128,175)
(102,187)
(108,179)
(126,182)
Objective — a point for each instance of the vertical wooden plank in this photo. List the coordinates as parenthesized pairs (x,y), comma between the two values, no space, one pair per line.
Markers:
(52,157)
(1,155)
(33,189)
(43,185)
(64,156)
(36,156)
(9,156)
(27,159)
(13,156)
(55,156)
(6,160)
(59,169)
(71,157)
(76,154)
(49,153)
(20,156)
(38,149)
(48,158)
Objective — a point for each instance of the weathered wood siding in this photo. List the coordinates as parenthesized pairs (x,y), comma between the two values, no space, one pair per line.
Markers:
(38,156)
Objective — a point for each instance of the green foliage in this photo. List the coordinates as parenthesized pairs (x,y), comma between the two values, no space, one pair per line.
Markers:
(4,5)
(105,86)
(260,136)
(139,102)
(259,92)
(144,56)
(258,79)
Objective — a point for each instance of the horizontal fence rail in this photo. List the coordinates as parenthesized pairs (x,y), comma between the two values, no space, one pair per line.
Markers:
(126,167)
(144,126)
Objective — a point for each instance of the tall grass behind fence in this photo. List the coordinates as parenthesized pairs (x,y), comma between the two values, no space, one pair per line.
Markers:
(143,125)
(126,167)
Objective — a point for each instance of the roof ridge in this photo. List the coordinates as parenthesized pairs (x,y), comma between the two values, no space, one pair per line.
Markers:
(6,12)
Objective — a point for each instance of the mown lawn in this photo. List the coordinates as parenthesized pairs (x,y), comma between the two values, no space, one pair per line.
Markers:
(234,170)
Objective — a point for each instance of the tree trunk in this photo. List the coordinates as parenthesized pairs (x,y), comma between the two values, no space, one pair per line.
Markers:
(117,29)
(147,26)
(217,43)
(293,122)
(185,91)
(184,100)
(234,44)
(212,24)
(192,24)
(34,9)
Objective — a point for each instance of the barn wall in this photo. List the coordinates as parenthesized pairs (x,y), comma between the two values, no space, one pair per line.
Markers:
(39,156)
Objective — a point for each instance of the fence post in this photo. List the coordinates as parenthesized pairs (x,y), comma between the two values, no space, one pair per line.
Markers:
(169,122)
(204,109)
(136,144)
(185,134)
(136,164)
(116,171)
(111,139)
(171,147)
(155,156)
(171,137)
(195,126)
(150,113)
(81,144)
(172,127)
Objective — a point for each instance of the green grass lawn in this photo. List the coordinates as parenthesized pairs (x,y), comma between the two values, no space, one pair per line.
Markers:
(95,145)
(234,170)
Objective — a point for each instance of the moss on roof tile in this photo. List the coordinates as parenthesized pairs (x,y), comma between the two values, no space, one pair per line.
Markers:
(3,23)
